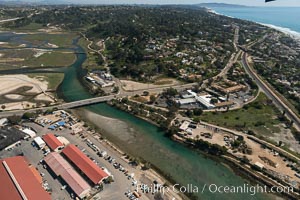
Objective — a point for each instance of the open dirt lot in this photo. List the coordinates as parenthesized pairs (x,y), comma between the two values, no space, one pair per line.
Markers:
(258,152)
(16,90)
(133,85)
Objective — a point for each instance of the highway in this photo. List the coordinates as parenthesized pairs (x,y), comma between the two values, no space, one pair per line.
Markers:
(270,94)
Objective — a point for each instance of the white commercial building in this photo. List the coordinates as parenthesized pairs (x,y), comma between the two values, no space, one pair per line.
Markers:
(186,101)
(184,125)
(39,142)
(204,100)
(29,132)
(3,121)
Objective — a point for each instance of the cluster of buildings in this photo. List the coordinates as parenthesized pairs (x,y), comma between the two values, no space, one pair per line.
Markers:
(68,164)
(197,58)
(190,98)
(100,78)
(71,166)
(227,86)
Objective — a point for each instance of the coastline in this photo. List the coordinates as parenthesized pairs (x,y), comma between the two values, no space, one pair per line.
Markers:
(288,31)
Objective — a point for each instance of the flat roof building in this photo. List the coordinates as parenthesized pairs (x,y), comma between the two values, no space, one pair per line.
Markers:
(29,132)
(39,142)
(203,99)
(3,121)
(92,171)
(64,170)
(10,136)
(18,182)
(184,125)
(52,142)
(224,104)
(186,101)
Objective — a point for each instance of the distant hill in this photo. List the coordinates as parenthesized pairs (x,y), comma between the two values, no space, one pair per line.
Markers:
(64,2)
(32,2)
(220,5)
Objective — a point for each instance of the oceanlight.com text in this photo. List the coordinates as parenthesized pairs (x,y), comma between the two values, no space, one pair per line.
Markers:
(215,189)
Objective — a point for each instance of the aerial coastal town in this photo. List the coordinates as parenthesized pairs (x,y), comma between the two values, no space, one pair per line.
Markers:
(128,102)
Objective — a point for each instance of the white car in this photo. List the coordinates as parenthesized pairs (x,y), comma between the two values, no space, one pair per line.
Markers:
(134,182)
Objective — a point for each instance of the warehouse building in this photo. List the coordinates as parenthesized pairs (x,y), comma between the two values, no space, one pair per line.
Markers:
(30,133)
(65,171)
(92,171)
(39,142)
(52,142)
(18,182)
(9,137)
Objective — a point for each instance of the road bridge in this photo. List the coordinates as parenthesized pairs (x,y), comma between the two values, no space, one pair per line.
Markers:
(95,100)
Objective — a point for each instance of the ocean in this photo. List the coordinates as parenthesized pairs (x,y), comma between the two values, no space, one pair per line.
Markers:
(285,19)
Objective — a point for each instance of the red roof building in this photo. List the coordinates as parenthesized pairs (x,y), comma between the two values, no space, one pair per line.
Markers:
(52,142)
(63,169)
(17,182)
(81,161)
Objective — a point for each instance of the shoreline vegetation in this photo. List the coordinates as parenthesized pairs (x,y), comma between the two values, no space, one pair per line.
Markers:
(97,122)
(212,151)
(101,124)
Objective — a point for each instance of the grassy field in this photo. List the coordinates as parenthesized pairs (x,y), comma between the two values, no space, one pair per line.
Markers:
(53,79)
(259,116)
(16,53)
(13,59)
(61,40)
(30,27)
(51,59)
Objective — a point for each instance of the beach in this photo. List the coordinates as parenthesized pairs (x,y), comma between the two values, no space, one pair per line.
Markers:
(116,129)
(17,90)
(273,19)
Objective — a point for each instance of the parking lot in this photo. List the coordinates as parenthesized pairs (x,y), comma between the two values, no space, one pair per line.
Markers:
(33,155)
(126,177)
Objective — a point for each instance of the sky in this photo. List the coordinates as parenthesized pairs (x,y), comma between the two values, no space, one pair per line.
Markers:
(286,3)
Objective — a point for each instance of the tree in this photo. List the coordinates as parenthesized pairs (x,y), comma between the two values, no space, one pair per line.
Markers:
(213,101)
(146,166)
(152,99)
(14,119)
(145,93)
(198,111)
(29,115)
(189,113)
(116,89)
(3,107)
(170,92)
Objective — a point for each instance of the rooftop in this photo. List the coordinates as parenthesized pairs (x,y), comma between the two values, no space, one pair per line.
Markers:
(52,141)
(18,182)
(63,169)
(88,167)
(10,136)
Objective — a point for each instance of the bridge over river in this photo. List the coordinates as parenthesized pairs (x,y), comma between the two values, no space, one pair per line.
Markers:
(95,100)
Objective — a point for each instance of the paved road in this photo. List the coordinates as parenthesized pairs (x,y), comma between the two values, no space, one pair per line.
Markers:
(96,100)
(270,94)
(9,20)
